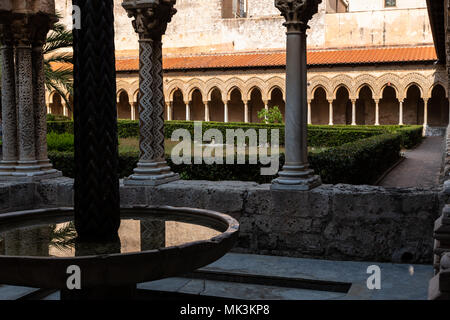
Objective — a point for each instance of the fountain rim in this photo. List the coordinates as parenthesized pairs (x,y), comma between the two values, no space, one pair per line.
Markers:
(232,227)
(120,268)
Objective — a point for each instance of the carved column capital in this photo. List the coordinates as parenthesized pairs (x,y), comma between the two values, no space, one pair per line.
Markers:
(297,13)
(150,17)
(22,31)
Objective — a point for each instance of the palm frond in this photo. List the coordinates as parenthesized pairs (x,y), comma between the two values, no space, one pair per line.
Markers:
(60,58)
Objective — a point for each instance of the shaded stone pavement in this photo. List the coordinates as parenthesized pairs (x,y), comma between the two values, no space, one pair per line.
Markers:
(421,168)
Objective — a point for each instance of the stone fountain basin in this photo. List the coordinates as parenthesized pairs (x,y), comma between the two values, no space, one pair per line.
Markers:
(117,269)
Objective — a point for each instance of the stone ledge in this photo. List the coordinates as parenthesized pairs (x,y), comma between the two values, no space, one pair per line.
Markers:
(340,222)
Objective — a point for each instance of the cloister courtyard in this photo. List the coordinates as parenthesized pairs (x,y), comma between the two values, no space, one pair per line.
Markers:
(224,149)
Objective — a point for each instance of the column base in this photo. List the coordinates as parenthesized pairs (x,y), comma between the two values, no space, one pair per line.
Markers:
(151,174)
(27,171)
(296,178)
(31,176)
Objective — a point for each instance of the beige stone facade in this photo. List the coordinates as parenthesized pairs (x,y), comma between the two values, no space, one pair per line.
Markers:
(389,93)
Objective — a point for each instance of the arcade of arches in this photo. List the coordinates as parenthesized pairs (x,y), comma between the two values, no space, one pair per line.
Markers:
(389,99)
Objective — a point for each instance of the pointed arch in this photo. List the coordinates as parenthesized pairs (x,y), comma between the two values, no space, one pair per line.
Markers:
(194,84)
(276,82)
(233,83)
(173,86)
(212,84)
(364,80)
(389,80)
(254,83)
(317,81)
(343,81)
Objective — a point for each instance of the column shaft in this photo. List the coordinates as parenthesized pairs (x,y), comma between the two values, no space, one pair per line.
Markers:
(9,111)
(188,111)
(309,113)
(146,100)
(207,115)
(400,111)
(296,174)
(425,112)
(331,122)
(158,103)
(353,112)
(246,115)
(225,107)
(377,112)
(26,129)
(40,111)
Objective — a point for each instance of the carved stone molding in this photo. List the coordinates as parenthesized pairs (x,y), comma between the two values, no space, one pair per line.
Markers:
(297,13)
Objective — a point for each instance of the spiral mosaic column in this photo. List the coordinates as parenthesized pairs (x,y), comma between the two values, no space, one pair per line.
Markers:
(150,22)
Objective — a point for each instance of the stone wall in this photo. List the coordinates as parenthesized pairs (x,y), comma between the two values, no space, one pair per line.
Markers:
(199,23)
(340,222)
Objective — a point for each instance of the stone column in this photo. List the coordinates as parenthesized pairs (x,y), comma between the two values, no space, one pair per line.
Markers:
(207,115)
(40,110)
(400,111)
(246,115)
(188,110)
(377,112)
(353,112)
(23,35)
(150,22)
(9,113)
(169,110)
(309,113)
(296,174)
(425,112)
(26,126)
(225,109)
(331,122)
(133,111)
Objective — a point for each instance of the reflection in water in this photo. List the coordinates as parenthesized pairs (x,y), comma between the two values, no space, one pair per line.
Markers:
(59,239)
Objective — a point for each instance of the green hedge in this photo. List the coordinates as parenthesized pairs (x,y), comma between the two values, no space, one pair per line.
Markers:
(60,142)
(360,162)
(318,136)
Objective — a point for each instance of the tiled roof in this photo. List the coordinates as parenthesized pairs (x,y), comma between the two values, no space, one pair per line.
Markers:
(278,59)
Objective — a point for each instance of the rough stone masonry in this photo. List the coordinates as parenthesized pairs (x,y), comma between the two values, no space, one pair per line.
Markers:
(340,222)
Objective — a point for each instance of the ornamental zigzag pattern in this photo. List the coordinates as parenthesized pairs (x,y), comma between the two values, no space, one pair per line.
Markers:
(158,112)
(146,101)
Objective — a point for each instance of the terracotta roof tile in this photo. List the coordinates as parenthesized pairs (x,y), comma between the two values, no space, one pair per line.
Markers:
(278,59)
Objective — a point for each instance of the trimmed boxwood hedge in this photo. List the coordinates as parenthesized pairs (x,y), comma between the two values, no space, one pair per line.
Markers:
(318,136)
(360,162)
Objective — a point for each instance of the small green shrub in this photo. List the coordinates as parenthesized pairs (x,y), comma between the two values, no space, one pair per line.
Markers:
(272,115)
(60,142)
